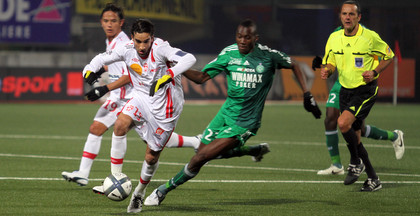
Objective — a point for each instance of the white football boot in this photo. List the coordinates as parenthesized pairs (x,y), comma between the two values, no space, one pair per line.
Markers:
(332,170)
(76,176)
(154,199)
(98,189)
(399,144)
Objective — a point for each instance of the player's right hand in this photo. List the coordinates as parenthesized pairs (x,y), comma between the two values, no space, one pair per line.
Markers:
(96,93)
(90,77)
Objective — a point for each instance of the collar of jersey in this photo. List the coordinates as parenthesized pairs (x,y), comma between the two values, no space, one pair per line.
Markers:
(358,33)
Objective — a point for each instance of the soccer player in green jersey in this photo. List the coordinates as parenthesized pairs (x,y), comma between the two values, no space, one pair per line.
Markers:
(249,68)
(352,51)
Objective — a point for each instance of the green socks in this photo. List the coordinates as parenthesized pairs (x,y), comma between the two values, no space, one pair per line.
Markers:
(180,178)
(332,145)
(241,151)
(379,134)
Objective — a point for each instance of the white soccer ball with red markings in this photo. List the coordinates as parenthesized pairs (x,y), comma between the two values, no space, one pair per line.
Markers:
(117,186)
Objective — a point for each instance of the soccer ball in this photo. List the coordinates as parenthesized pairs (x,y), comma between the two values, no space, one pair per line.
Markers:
(117,186)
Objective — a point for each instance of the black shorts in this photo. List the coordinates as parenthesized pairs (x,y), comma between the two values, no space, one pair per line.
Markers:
(359,101)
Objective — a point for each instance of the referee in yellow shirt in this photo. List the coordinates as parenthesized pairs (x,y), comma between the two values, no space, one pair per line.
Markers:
(352,51)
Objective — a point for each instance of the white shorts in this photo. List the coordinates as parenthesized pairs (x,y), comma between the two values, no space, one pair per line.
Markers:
(146,125)
(107,113)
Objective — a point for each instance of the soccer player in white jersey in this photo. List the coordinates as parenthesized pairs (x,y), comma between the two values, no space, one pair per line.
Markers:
(112,20)
(150,62)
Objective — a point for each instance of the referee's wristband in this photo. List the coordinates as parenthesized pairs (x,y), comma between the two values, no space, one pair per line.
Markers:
(375,74)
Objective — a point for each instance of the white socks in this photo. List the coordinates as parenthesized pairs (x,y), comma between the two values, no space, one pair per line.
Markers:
(118,150)
(90,151)
(147,172)
(178,141)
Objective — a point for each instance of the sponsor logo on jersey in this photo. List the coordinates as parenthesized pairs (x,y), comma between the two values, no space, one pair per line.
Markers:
(247,80)
(246,62)
(129,45)
(358,62)
(242,69)
(235,61)
(136,68)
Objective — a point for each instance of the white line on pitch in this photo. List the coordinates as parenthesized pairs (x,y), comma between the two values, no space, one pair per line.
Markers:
(218,181)
(182,164)
(24,136)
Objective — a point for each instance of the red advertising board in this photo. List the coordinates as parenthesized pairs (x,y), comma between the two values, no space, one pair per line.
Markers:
(406,80)
(40,84)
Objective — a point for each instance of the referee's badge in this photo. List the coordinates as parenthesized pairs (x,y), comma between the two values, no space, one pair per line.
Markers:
(358,62)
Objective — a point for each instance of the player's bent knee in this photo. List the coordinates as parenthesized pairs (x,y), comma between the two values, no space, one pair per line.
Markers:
(97,129)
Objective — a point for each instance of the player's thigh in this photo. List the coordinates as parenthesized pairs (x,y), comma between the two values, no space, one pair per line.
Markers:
(97,128)
(345,121)
(214,127)
(155,137)
(107,113)
(333,97)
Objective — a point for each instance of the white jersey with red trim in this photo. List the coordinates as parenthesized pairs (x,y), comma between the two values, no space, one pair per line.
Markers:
(167,103)
(117,69)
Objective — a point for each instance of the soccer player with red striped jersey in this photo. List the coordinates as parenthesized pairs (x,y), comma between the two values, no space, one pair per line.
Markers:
(112,20)
(150,61)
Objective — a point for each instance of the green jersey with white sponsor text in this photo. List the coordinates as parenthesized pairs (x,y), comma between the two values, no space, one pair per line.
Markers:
(249,79)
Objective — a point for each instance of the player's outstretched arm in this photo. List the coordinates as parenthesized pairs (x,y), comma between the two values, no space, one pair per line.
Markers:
(100,91)
(197,76)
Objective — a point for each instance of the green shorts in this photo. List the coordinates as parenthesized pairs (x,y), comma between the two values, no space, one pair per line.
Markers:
(333,97)
(220,128)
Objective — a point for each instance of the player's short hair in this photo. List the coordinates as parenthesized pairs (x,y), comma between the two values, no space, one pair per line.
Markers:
(143,26)
(249,23)
(353,2)
(114,8)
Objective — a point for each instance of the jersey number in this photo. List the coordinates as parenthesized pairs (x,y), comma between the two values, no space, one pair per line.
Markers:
(332,98)
(110,106)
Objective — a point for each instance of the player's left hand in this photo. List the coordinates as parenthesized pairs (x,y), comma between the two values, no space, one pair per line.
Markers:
(96,93)
(160,83)
(310,105)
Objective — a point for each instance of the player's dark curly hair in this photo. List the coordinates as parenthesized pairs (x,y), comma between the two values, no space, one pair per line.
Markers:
(143,26)
(114,8)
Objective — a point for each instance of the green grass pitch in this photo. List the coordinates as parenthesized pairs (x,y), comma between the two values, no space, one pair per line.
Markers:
(39,141)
